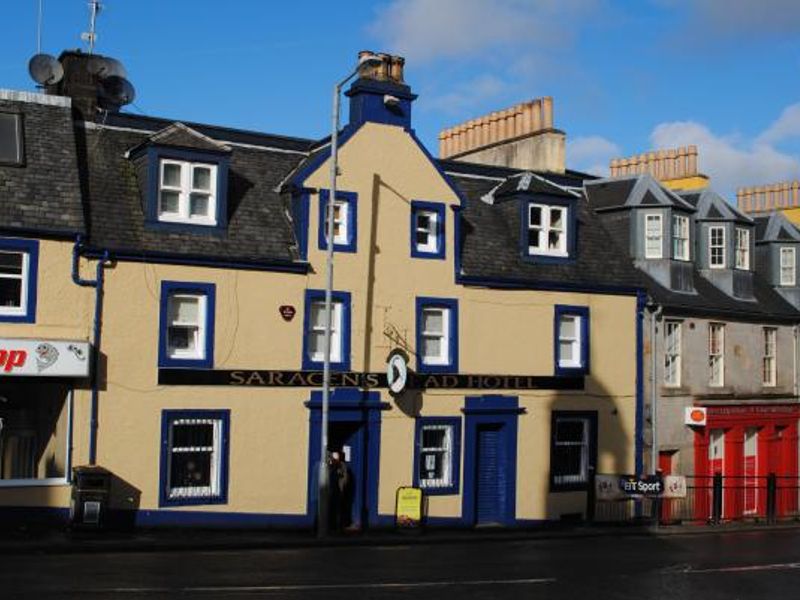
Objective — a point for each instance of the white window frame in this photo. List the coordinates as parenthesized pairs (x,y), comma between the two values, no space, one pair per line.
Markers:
(446,450)
(769,365)
(432,231)
(742,248)
(337,308)
(444,357)
(185,190)
(672,353)
(576,342)
(788,268)
(680,238)
(22,309)
(545,228)
(340,219)
(583,476)
(200,332)
(653,236)
(214,489)
(716,355)
(720,264)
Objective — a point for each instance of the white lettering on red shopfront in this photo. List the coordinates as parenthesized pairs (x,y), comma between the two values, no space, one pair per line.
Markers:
(12,359)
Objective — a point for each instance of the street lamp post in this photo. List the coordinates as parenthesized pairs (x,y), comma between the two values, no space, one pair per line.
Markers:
(322,499)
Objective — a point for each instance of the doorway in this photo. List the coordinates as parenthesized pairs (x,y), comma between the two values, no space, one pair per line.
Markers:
(347,438)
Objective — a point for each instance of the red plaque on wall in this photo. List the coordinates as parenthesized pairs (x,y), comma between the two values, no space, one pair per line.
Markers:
(287,312)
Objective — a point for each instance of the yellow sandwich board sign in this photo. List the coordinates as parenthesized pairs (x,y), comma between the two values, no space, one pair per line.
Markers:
(408,507)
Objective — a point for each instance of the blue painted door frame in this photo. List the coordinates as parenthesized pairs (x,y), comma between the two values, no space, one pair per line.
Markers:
(355,406)
(490,411)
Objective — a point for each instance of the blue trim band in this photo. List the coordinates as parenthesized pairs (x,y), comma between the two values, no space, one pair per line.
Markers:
(351,199)
(439,210)
(451,304)
(201,289)
(561,310)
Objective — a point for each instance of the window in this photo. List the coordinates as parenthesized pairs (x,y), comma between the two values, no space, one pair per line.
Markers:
(716,247)
(769,365)
(194,457)
(427,229)
(672,353)
(18,273)
(571,340)
(716,354)
(437,455)
(653,232)
(680,237)
(437,335)
(11,144)
(742,248)
(187,192)
(573,449)
(547,230)
(788,266)
(344,221)
(187,325)
(315,326)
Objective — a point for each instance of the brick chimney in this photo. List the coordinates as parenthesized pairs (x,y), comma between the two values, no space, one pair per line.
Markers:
(676,168)
(522,137)
(767,198)
(380,95)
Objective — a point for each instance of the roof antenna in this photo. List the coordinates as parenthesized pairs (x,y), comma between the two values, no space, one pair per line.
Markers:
(91,36)
(39,29)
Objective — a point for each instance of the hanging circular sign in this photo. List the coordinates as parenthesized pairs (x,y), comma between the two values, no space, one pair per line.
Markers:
(397,372)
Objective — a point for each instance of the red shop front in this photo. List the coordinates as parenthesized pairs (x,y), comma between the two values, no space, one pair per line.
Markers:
(746,444)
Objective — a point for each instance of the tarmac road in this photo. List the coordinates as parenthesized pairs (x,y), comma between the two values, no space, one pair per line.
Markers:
(709,566)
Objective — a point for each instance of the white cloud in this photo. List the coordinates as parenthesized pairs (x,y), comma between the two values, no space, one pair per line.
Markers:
(730,160)
(423,30)
(745,17)
(591,154)
(785,127)
(467,95)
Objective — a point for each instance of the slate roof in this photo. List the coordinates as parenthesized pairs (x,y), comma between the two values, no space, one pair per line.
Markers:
(631,191)
(775,227)
(259,228)
(713,207)
(44,194)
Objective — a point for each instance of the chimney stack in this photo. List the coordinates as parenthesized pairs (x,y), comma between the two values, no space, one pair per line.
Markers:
(521,137)
(675,167)
(380,94)
(768,198)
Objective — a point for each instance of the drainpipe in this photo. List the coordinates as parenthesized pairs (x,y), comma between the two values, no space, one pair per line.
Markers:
(655,314)
(97,284)
(796,383)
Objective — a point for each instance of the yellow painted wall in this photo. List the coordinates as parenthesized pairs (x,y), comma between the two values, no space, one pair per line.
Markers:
(696,182)
(793,214)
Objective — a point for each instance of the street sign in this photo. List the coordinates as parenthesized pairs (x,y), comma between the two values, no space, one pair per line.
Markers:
(695,415)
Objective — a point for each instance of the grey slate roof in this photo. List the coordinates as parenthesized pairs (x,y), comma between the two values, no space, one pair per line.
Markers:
(44,194)
(775,227)
(713,207)
(629,191)
(259,228)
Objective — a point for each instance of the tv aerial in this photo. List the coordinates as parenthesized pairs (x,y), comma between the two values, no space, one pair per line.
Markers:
(45,69)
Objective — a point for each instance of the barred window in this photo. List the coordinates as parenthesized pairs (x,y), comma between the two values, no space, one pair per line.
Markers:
(436,456)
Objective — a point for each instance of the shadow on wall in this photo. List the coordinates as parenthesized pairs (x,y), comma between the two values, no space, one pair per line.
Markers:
(123,504)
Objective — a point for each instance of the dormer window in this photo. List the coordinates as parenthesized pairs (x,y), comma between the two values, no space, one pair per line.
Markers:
(680,237)
(547,230)
(742,249)
(716,247)
(654,232)
(187,192)
(788,266)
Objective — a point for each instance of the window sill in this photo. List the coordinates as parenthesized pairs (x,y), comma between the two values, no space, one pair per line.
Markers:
(186,363)
(47,482)
(556,488)
(447,368)
(193,501)
(444,491)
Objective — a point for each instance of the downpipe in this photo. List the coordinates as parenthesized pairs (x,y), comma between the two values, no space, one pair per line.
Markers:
(656,311)
(98,284)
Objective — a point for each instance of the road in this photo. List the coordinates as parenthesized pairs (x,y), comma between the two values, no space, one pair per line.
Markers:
(757,565)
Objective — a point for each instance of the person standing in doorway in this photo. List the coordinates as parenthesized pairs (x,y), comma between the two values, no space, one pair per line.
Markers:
(339,486)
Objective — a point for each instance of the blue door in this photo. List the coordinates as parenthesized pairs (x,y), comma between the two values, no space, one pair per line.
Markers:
(347,438)
(491,476)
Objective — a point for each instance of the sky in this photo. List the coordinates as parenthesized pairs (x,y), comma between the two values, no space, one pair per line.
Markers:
(627,76)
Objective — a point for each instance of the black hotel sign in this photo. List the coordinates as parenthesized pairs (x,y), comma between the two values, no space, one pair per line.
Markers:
(420,381)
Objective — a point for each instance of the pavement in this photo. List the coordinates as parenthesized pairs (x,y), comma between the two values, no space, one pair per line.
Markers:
(53,541)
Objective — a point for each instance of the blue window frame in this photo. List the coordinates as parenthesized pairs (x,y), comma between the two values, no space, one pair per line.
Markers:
(437,455)
(573,449)
(345,220)
(19,268)
(571,347)
(427,229)
(314,331)
(437,335)
(187,190)
(548,229)
(194,457)
(186,328)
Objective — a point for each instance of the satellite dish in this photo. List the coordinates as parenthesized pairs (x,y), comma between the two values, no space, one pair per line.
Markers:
(103,66)
(117,91)
(45,69)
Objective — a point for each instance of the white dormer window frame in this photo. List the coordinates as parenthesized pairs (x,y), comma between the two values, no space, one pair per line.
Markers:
(788,266)
(680,238)
(742,249)
(653,235)
(187,192)
(716,247)
(547,230)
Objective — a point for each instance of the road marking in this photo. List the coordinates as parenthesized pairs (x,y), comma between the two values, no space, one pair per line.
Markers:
(322,586)
(747,568)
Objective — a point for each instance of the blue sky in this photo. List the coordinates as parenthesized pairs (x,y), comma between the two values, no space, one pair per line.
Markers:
(626,76)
